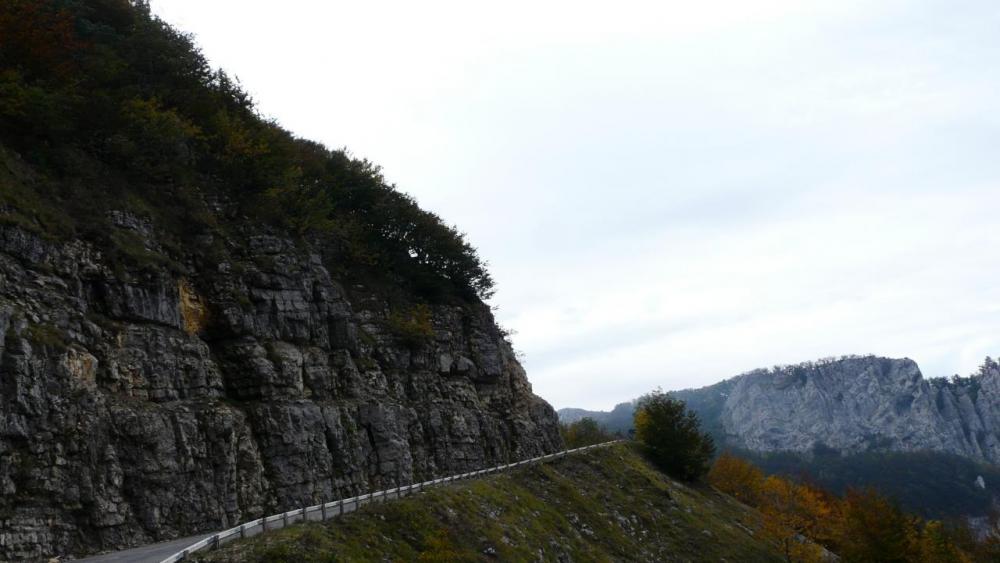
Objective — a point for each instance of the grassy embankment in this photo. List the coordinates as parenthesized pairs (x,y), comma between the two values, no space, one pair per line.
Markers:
(604,505)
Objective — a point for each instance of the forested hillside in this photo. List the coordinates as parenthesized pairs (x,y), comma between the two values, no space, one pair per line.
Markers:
(111,107)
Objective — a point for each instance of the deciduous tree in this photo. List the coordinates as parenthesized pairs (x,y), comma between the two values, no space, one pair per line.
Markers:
(671,436)
(737,478)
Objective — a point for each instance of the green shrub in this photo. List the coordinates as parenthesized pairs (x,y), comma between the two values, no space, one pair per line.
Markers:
(671,436)
(156,142)
(412,325)
(47,336)
(584,432)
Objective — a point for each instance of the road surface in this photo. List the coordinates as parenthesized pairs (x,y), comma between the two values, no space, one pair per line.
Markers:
(153,553)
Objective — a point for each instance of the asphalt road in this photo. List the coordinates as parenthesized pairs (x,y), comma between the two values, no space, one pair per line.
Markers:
(153,553)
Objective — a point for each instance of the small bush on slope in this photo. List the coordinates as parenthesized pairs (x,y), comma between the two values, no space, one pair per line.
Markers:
(604,505)
(584,432)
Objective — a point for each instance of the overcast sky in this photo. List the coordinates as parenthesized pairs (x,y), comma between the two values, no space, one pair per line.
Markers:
(670,193)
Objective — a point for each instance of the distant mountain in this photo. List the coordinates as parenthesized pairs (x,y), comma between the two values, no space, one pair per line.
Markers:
(619,419)
(857,421)
(851,405)
(856,405)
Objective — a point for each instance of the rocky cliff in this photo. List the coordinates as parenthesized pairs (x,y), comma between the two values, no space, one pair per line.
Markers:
(852,404)
(143,404)
(205,318)
(864,403)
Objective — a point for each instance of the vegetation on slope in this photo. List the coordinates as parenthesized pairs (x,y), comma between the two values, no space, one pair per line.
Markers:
(934,485)
(115,110)
(671,436)
(607,504)
(707,402)
(931,484)
(584,432)
(862,525)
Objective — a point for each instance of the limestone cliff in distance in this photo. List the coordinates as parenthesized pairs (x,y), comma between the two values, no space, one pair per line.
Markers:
(851,404)
(857,404)
(867,403)
(859,421)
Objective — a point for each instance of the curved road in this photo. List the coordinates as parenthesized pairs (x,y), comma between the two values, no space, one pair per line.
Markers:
(153,553)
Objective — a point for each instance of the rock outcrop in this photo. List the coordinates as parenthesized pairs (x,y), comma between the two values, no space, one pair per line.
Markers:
(140,404)
(858,404)
(852,405)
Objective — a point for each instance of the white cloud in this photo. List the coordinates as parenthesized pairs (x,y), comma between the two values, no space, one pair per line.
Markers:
(670,193)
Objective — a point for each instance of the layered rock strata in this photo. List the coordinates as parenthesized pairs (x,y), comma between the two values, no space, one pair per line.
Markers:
(859,404)
(149,403)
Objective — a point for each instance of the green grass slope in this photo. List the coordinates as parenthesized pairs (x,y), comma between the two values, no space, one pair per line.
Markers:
(607,504)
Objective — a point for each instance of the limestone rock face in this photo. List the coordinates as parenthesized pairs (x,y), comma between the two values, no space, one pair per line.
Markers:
(861,403)
(138,405)
(852,405)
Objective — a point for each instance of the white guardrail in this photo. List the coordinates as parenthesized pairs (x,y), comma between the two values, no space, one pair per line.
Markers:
(325,511)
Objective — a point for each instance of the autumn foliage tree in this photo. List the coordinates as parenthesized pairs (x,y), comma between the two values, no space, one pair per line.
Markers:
(936,544)
(737,477)
(792,513)
(873,527)
(862,526)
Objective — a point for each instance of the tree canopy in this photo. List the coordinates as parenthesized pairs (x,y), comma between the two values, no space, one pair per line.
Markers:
(114,106)
(672,437)
(861,525)
(584,432)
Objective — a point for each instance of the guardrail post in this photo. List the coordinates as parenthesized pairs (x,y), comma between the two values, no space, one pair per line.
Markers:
(284,519)
(263,524)
(243,530)
(340,507)
(304,519)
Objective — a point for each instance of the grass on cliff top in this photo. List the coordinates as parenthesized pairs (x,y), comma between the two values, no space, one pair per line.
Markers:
(604,505)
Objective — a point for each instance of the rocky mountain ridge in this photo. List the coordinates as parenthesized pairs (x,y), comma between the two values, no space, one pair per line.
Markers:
(868,403)
(851,405)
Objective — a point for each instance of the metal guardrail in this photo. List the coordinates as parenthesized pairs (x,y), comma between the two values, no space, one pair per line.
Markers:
(326,511)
